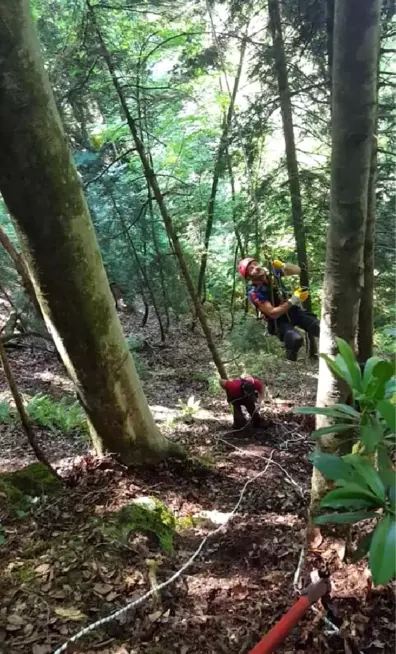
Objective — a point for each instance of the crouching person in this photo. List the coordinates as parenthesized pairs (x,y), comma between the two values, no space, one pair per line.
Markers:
(244,392)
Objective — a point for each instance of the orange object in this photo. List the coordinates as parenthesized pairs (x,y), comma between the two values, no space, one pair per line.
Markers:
(282,629)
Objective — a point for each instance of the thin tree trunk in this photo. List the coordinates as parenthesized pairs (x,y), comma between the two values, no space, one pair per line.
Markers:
(366,309)
(159,261)
(232,303)
(218,169)
(42,190)
(139,265)
(329,9)
(234,207)
(153,182)
(290,145)
(20,268)
(354,97)
(25,420)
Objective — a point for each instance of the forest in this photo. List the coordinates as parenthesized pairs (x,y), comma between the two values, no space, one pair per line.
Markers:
(197,326)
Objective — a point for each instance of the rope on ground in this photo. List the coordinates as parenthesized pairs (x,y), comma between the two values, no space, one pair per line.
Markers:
(174,577)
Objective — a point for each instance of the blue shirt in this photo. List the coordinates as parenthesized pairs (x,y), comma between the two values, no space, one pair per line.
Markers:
(262,293)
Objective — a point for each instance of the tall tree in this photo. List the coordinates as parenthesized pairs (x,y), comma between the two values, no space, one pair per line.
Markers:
(152,181)
(288,133)
(44,195)
(219,166)
(356,30)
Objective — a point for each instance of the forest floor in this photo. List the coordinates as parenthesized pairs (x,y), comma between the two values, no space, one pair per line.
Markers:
(61,571)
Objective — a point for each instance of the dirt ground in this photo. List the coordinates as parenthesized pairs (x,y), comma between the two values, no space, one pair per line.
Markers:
(60,572)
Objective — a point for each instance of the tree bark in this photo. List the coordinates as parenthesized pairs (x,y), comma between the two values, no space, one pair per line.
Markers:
(43,192)
(166,217)
(366,309)
(290,145)
(329,9)
(354,98)
(218,169)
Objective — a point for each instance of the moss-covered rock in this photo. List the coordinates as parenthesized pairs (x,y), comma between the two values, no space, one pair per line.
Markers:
(145,514)
(17,488)
(34,479)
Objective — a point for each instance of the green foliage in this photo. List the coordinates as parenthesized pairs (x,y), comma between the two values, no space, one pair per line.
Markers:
(190,408)
(57,416)
(6,415)
(365,480)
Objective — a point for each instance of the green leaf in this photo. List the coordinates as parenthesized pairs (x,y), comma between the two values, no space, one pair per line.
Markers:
(368,473)
(363,547)
(371,433)
(331,429)
(345,408)
(392,495)
(385,467)
(321,411)
(390,388)
(352,496)
(388,412)
(332,467)
(344,518)
(337,368)
(382,372)
(348,356)
(383,551)
(368,370)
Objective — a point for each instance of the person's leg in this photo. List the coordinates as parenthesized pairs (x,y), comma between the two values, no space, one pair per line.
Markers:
(253,410)
(239,418)
(291,338)
(308,322)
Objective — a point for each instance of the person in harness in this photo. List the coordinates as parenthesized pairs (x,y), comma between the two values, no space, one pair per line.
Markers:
(282,313)
(244,392)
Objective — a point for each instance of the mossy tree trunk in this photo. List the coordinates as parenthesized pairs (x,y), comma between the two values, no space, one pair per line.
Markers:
(44,195)
(354,98)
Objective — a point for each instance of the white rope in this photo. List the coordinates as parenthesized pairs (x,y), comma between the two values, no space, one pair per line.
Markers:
(176,575)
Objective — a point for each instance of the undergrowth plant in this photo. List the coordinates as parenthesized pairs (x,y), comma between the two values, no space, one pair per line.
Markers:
(58,416)
(62,416)
(364,481)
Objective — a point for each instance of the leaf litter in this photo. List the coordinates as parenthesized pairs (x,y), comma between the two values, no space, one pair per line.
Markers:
(62,571)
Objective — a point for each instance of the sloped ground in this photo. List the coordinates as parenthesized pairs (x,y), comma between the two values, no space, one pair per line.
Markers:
(59,572)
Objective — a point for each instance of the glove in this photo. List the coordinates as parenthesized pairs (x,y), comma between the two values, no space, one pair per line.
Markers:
(298,296)
(278,265)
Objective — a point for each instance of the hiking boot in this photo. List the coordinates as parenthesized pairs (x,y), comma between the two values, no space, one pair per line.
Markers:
(291,356)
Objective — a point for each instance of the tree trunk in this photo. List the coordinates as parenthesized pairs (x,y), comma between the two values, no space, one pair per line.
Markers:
(290,145)
(234,207)
(356,30)
(366,309)
(166,217)
(218,169)
(141,269)
(44,195)
(329,9)
(20,268)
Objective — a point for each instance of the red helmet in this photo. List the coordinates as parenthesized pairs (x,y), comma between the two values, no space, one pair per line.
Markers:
(243,265)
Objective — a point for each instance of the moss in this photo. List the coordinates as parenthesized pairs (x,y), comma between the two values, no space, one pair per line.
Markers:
(34,479)
(146,514)
(185,523)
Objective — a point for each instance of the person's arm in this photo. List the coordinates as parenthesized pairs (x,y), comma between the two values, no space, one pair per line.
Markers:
(272,312)
(275,312)
(286,268)
(291,269)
